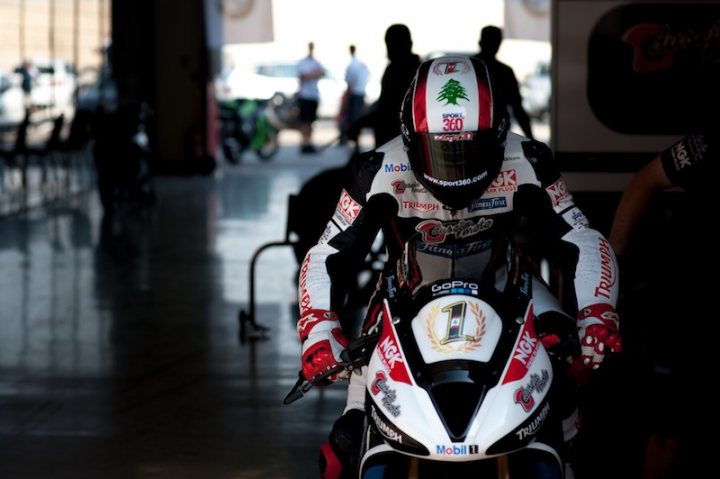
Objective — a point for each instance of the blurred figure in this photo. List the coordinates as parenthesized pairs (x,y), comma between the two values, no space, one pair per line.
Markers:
(356,77)
(309,72)
(383,115)
(28,73)
(503,76)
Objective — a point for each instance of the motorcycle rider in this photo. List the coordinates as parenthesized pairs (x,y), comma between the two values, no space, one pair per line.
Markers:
(454,173)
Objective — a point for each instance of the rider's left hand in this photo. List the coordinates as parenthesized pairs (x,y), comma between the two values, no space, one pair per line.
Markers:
(598,332)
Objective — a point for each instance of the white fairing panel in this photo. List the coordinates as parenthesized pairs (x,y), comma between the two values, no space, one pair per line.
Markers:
(513,410)
(457,327)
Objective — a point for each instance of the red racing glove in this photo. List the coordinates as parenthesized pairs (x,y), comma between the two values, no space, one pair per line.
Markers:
(322,342)
(598,331)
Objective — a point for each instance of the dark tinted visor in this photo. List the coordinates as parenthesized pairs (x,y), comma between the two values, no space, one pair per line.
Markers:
(458,159)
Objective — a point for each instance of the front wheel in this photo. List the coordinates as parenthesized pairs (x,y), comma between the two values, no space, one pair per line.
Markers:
(270,145)
(231,151)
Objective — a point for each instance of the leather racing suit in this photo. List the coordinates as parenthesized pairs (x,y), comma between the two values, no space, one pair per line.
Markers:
(529,193)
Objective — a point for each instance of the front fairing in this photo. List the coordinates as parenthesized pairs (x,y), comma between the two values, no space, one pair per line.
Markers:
(456,381)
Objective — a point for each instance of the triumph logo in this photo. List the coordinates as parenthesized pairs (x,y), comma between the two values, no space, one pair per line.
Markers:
(304,295)
(421,206)
(607,270)
(535,424)
(385,429)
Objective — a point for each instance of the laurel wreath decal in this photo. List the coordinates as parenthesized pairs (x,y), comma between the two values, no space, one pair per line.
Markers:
(471,343)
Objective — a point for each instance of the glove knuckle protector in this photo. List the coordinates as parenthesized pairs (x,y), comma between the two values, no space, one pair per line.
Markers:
(322,340)
(598,331)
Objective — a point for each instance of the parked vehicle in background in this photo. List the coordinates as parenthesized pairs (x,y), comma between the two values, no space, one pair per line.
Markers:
(247,125)
(535,90)
(263,80)
(53,86)
(12,105)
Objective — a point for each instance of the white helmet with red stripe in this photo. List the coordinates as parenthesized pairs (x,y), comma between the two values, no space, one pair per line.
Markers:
(454,129)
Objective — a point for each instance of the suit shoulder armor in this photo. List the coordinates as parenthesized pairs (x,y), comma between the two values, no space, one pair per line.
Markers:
(541,158)
(365,166)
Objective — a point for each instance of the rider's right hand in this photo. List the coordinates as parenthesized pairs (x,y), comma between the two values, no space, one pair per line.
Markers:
(323,342)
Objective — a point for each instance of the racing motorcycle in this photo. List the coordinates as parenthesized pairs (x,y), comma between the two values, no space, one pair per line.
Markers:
(458,383)
(248,124)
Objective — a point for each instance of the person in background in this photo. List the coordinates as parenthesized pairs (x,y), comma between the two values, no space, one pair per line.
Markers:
(667,286)
(382,116)
(357,76)
(503,76)
(28,73)
(309,72)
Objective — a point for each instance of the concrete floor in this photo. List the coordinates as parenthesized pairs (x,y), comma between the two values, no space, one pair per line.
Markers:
(119,349)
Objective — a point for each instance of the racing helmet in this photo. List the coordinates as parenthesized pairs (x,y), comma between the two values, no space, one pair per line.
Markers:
(454,128)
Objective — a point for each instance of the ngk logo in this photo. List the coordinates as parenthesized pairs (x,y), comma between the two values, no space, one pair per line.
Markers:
(558,192)
(505,181)
(680,156)
(348,207)
(526,349)
(390,353)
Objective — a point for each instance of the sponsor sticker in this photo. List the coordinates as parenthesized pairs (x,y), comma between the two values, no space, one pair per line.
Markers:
(558,192)
(504,182)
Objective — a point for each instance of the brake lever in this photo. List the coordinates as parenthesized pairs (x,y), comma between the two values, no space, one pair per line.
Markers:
(353,358)
(303,385)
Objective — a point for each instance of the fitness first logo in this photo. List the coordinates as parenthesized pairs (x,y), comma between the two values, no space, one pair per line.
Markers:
(434,231)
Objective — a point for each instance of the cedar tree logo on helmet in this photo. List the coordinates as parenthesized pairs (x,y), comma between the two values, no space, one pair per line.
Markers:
(451,92)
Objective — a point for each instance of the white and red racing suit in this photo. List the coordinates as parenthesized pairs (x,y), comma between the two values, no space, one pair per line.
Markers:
(528,194)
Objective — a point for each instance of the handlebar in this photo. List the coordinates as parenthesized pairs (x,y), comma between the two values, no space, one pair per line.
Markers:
(354,357)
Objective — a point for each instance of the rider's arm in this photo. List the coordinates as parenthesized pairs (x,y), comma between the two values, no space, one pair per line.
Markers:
(589,260)
(346,241)
(327,265)
(585,254)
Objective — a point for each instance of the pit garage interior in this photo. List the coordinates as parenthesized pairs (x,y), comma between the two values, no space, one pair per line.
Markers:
(121,353)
